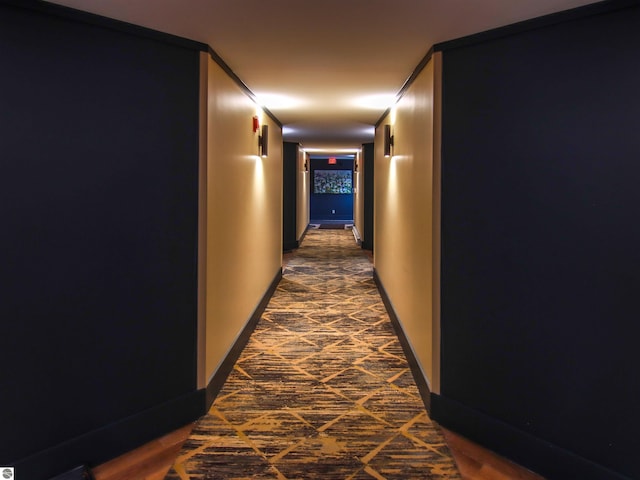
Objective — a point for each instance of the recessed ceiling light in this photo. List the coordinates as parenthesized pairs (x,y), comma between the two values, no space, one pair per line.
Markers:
(377,101)
(278,101)
(331,150)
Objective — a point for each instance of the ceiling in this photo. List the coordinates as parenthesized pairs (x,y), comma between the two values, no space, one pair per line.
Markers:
(327,69)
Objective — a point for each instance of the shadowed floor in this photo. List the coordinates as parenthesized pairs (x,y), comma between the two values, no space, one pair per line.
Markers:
(322,390)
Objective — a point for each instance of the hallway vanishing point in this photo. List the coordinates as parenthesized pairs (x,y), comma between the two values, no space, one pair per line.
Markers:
(322,389)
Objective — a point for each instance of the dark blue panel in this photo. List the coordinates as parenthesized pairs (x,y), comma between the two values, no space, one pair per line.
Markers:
(289,195)
(98,200)
(368,195)
(540,259)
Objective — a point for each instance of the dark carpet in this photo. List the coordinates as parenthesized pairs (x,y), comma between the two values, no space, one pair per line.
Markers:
(322,390)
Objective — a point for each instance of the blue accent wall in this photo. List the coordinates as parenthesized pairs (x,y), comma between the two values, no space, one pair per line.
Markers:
(322,205)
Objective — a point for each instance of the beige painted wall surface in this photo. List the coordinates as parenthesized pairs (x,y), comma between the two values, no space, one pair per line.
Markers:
(303,196)
(358,196)
(403,214)
(244,214)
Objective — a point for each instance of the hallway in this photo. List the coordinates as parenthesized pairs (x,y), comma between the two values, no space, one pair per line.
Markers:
(158,162)
(323,389)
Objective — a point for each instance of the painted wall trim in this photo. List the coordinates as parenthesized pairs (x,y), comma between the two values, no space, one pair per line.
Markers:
(243,86)
(113,440)
(105,22)
(407,84)
(539,22)
(223,371)
(418,374)
(545,458)
(536,23)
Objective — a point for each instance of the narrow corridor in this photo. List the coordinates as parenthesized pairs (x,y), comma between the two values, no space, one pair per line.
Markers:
(322,389)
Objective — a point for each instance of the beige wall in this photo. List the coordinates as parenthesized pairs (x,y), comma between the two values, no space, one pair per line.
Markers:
(303,195)
(358,196)
(244,214)
(403,216)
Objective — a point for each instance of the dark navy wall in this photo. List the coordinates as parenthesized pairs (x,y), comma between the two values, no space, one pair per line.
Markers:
(368,194)
(321,205)
(289,195)
(98,187)
(540,235)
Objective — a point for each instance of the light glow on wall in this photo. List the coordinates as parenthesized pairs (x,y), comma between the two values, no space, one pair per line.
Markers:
(258,189)
(393,115)
(392,197)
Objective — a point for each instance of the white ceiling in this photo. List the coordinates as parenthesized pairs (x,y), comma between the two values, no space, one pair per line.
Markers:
(327,69)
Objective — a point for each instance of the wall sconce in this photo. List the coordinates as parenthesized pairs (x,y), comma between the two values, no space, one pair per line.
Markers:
(306,166)
(388,140)
(263,141)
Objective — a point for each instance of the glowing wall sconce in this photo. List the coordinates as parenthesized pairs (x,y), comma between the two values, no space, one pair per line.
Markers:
(263,141)
(388,140)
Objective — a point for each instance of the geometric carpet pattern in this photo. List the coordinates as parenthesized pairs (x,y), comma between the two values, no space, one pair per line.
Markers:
(323,389)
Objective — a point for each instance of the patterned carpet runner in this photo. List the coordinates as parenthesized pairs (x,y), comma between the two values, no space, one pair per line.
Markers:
(322,390)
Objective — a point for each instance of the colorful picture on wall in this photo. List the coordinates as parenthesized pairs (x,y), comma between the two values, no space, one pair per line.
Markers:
(333,181)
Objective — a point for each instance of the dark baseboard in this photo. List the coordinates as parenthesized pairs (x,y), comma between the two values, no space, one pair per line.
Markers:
(104,22)
(289,246)
(421,381)
(111,441)
(597,8)
(79,473)
(544,458)
(304,234)
(218,379)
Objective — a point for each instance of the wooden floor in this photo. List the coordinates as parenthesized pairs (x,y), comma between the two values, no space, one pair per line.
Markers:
(148,462)
(153,460)
(477,463)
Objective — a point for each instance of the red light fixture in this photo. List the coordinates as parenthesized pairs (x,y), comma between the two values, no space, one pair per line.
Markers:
(333,161)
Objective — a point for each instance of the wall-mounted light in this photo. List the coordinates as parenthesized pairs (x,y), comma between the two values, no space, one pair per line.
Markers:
(388,140)
(263,141)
